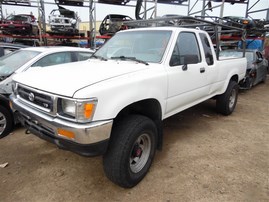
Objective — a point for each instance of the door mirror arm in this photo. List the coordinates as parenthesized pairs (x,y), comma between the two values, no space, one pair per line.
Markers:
(184,67)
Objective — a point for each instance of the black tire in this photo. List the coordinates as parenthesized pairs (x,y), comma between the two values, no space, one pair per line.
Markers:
(264,78)
(6,122)
(227,101)
(130,151)
(251,82)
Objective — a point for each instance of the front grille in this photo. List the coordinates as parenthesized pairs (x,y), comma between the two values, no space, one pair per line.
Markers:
(39,99)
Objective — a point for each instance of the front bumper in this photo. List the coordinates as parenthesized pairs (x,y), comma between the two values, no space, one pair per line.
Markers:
(246,83)
(90,139)
(62,28)
(15,28)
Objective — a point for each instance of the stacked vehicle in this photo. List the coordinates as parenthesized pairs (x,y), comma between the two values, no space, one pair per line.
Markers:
(113,23)
(63,22)
(21,24)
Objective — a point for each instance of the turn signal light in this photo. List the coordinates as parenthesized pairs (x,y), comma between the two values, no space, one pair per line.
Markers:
(88,109)
(66,133)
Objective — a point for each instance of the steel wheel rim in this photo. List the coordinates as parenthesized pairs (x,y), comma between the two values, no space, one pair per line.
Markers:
(3,123)
(232,99)
(140,153)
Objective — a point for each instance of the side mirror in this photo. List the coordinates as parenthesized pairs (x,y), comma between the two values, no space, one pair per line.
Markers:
(185,67)
(259,60)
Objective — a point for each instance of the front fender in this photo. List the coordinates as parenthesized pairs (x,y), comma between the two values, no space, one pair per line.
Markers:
(115,94)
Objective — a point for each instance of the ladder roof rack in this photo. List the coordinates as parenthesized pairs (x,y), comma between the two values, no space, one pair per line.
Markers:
(183,21)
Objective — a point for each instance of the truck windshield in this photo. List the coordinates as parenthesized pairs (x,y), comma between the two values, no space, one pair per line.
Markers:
(13,61)
(147,46)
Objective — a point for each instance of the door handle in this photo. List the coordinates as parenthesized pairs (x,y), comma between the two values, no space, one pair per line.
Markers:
(202,70)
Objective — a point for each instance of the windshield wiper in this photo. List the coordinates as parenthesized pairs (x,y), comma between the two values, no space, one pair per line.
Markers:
(130,58)
(98,57)
(3,77)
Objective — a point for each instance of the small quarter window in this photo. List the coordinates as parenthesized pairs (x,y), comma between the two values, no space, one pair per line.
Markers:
(207,49)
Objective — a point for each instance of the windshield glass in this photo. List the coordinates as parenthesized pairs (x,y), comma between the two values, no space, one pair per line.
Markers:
(17,18)
(11,62)
(148,46)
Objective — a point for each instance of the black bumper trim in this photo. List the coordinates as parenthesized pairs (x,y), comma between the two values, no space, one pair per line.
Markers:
(94,149)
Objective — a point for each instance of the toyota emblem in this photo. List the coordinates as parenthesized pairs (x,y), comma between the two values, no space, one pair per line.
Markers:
(31,97)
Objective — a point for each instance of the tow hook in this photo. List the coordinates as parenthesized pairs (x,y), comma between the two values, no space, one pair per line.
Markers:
(27,131)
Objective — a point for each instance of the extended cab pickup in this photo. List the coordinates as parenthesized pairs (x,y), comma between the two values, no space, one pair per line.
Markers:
(114,103)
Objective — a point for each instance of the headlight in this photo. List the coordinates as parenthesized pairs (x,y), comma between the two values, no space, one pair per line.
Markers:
(68,108)
(78,110)
(73,21)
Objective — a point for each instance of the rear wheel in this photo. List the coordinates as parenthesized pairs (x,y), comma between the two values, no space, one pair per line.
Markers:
(131,150)
(227,101)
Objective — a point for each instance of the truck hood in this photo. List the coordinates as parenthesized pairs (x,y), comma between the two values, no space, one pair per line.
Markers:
(66,79)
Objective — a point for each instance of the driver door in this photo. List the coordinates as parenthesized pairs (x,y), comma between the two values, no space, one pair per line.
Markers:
(187,74)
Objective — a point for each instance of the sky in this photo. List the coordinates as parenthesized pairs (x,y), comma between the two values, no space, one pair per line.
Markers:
(102,10)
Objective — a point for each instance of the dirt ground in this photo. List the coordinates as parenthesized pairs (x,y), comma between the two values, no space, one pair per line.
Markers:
(206,157)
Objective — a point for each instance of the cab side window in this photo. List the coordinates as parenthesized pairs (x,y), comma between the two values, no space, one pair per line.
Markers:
(186,50)
(207,49)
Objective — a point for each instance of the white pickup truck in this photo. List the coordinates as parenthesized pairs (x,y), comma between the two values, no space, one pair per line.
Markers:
(114,103)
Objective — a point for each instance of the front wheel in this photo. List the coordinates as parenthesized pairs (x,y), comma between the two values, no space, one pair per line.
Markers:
(6,122)
(131,150)
(227,101)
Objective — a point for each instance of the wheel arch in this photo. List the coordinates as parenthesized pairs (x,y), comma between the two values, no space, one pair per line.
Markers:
(5,103)
(150,108)
(234,78)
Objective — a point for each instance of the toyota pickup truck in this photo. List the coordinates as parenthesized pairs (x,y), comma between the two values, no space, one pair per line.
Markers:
(114,103)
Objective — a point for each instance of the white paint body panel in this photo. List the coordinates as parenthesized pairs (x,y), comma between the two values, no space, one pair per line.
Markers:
(117,84)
